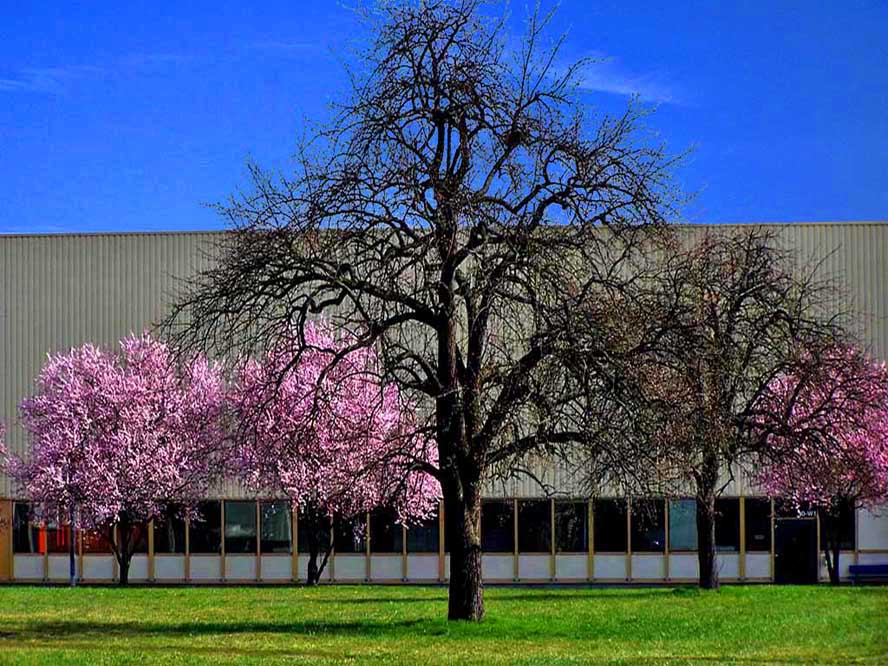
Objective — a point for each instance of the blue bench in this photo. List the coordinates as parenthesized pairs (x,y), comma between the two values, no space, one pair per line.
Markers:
(861,572)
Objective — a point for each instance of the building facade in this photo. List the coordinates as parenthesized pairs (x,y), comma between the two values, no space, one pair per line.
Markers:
(59,291)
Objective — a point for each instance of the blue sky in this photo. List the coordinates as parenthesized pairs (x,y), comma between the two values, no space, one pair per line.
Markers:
(131,116)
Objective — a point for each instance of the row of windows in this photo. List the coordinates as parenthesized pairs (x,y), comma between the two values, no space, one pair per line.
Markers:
(613,529)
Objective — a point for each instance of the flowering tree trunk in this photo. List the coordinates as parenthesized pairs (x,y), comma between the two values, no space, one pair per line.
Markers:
(320,544)
(832,545)
(122,547)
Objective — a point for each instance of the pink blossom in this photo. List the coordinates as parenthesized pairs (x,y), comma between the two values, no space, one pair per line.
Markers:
(116,437)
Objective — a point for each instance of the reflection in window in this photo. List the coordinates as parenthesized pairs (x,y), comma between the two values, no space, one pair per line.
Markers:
(276,529)
(169,532)
(58,538)
(648,533)
(727,524)
(424,537)
(572,527)
(349,535)
(610,525)
(534,531)
(497,527)
(318,527)
(25,535)
(205,530)
(841,522)
(95,542)
(682,524)
(758,524)
(240,527)
(386,535)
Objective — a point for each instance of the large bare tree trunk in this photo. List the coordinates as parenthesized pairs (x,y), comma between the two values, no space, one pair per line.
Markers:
(706,545)
(462,513)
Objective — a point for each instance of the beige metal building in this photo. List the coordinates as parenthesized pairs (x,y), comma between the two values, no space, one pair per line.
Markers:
(59,291)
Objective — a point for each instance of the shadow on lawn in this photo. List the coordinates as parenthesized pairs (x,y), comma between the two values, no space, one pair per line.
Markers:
(60,630)
(498,597)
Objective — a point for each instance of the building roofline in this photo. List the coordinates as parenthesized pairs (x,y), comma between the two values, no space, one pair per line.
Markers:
(215,232)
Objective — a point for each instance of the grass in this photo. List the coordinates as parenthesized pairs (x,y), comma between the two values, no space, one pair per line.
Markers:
(356,624)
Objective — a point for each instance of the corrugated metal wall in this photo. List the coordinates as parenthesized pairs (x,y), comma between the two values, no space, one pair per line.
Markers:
(59,291)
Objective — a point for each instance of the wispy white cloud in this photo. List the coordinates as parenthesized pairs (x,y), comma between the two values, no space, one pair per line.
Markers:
(50,80)
(57,80)
(607,74)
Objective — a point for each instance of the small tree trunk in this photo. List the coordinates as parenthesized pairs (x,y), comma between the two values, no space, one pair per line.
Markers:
(123,550)
(832,547)
(319,544)
(463,523)
(72,557)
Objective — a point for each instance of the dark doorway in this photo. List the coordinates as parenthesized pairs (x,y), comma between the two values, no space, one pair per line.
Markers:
(795,551)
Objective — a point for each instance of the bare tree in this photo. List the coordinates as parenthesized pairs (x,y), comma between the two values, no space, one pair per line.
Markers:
(460,208)
(732,312)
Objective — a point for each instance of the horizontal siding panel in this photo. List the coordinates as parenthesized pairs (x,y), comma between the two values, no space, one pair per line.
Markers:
(60,291)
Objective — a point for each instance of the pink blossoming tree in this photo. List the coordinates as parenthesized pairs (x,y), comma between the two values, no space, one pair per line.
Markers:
(826,427)
(116,438)
(332,437)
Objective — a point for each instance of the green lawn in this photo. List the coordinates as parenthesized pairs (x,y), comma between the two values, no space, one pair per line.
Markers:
(738,625)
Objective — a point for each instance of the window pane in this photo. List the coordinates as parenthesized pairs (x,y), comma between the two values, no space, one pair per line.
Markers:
(240,527)
(58,539)
(534,531)
(96,542)
(386,536)
(727,524)
(25,536)
(571,527)
(317,528)
(423,538)
(648,533)
(205,531)
(758,524)
(497,527)
(348,535)
(840,522)
(683,524)
(169,533)
(276,527)
(610,525)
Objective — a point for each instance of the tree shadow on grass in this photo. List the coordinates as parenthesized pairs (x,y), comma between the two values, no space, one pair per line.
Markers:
(499,597)
(80,629)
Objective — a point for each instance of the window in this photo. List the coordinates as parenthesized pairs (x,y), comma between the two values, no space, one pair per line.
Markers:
(25,535)
(758,524)
(386,535)
(169,532)
(648,531)
(534,530)
(305,535)
(349,535)
(58,538)
(95,542)
(727,524)
(423,538)
(682,524)
(205,531)
(240,527)
(497,527)
(276,528)
(610,525)
(571,527)
(842,523)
